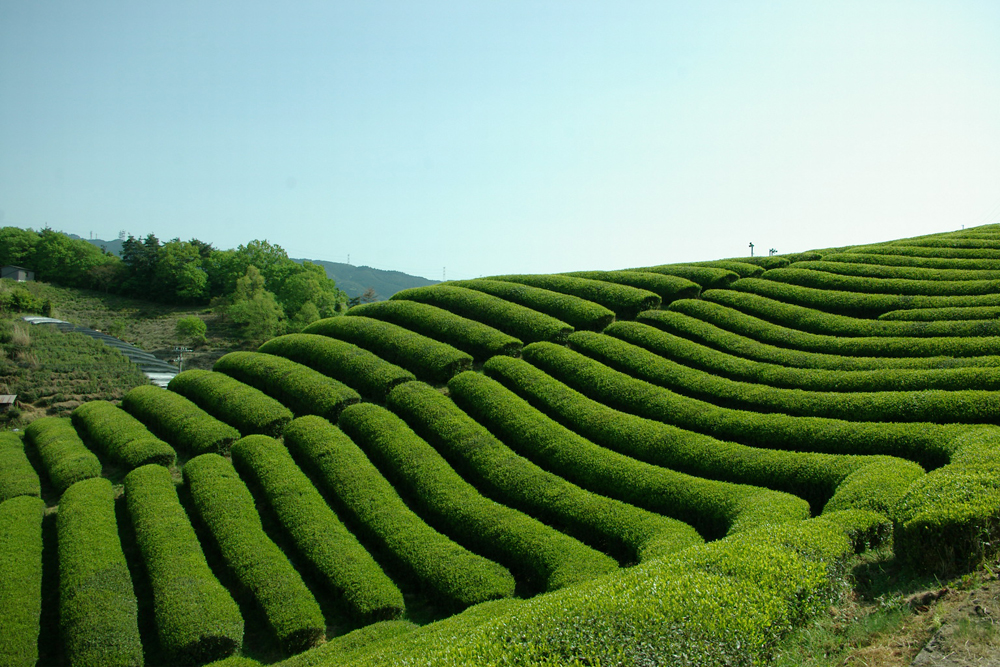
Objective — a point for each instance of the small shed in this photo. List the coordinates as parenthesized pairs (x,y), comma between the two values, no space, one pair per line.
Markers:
(18,273)
(7,401)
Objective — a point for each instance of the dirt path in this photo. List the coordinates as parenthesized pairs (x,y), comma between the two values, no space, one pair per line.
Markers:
(970,631)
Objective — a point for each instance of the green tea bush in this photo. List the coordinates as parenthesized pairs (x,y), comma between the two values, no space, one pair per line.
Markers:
(741,268)
(706,276)
(17,477)
(668,288)
(368,374)
(120,436)
(928,251)
(805,277)
(844,267)
(942,241)
(64,456)
(425,357)
(536,553)
(921,263)
(98,610)
(319,536)
(298,387)
(227,509)
(629,532)
(20,580)
(196,619)
(447,571)
(179,421)
(354,644)
(935,314)
(624,300)
(475,338)
(249,410)
(574,310)
(513,319)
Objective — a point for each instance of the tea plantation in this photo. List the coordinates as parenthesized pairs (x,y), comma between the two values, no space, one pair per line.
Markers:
(665,465)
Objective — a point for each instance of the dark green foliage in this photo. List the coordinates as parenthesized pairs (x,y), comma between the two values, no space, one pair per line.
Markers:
(609,524)
(17,299)
(120,436)
(478,339)
(926,405)
(513,319)
(196,619)
(859,256)
(818,279)
(318,534)
(363,371)
(227,508)
(20,580)
(624,300)
(65,458)
(249,410)
(844,267)
(739,267)
(98,611)
(447,571)
(17,477)
(542,556)
(714,508)
(935,314)
(574,310)
(179,421)
(706,276)
(927,252)
(343,649)
(668,288)
(298,387)
(425,357)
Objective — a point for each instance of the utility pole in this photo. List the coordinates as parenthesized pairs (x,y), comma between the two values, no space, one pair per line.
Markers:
(444,273)
(772,251)
(180,356)
(751,250)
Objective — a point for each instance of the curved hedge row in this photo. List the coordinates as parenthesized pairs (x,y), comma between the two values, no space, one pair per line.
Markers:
(625,301)
(523,323)
(363,371)
(249,410)
(196,619)
(862,270)
(227,508)
(179,421)
(927,405)
(706,276)
(480,340)
(951,314)
(544,557)
(351,646)
(65,458)
(449,572)
(346,567)
(629,532)
(425,357)
(792,375)
(741,268)
(941,241)
(17,477)
(728,329)
(98,610)
(20,580)
(806,277)
(668,288)
(300,388)
(120,436)
(928,252)
(712,507)
(923,263)
(574,310)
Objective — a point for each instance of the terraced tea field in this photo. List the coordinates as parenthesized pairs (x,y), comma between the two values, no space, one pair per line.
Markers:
(665,465)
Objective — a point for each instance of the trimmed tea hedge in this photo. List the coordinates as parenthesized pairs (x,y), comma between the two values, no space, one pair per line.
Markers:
(935,314)
(741,268)
(706,276)
(450,573)
(923,263)
(478,339)
(928,251)
(846,268)
(425,357)
(227,508)
(369,375)
(513,319)
(17,477)
(249,410)
(947,241)
(300,388)
(20,580)
(65,458)
(346,567)
(120,436)
(179,421)
(668,288)
(98,610)
(629,532)
(574,310)
(624,300)
(805,277)
(196,619)
(351,646)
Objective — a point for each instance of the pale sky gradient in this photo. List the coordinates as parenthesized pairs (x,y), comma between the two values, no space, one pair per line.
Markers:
(501,137)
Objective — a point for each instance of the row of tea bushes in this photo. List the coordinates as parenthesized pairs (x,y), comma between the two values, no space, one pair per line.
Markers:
(513,319)
(350,646)
(120,436)
(743,269)
(868,270)
(939,241)
(179,421)
(668,288)
(367,373)
(807,277)
(249,410)
(20,580)
(475,338)
(623,300)
(543,557)
(924,252)
(300,388)
(64,456)
(428,359)
(706,276)
(17,477)
(574,310)
(333,552)
(628,532)
(951,314)
(920,263)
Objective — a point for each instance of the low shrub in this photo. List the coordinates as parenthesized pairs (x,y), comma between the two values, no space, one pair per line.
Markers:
(706,276)
(249,410)
(353,645)
(741,268)
(859,256)
(844,267)
(179,421)
(805,277)
(17,477)
(936,314)
(574,310)
(624,300)
(120,436)
(20,580)
(668,288)
(929,252)
(64,456)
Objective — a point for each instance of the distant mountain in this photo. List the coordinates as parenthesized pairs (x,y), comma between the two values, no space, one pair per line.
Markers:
(356,279)
(114,247)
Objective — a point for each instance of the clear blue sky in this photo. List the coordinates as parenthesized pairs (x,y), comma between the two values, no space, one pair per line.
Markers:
(501,137)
